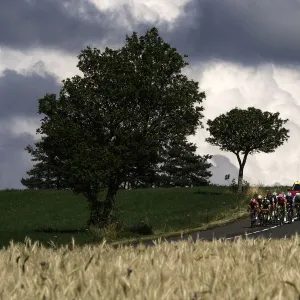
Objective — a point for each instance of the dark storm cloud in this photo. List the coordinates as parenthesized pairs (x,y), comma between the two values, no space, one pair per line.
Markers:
(248,32)
(13,159)
(32,23)
(19,94)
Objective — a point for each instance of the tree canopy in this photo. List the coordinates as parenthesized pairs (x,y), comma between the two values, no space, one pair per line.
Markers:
(46,173)
(118,118)
(247,131)
(181,166)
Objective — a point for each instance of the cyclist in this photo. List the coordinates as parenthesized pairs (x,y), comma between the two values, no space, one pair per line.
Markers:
(281,202)
(253,204)
(297,197)
(268,194)
(290,202)
(266,205)
(260,200)
(270,197)
(274,199)
(297,202)
(253,208)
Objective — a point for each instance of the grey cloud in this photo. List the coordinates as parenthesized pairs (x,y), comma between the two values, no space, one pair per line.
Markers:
(14,163)
(19,94)
(49,23)
(247,32)
(240,31)
(223,166)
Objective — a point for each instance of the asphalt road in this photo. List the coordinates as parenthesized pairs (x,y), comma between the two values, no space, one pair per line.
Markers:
(239,229)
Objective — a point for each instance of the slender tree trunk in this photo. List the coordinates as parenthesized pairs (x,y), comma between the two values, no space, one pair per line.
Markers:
(241,171)
(240,179)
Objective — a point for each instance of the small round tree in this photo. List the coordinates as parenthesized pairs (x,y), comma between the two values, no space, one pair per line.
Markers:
(247,131)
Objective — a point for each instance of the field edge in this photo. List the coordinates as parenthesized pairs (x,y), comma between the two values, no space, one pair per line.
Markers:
(241,214)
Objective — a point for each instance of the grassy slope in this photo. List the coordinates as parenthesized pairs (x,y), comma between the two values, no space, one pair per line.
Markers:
(59,215)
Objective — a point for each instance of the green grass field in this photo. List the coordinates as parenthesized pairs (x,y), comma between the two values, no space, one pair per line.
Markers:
(61,215)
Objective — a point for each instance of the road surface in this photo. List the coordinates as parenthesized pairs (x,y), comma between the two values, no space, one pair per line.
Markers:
(238,229)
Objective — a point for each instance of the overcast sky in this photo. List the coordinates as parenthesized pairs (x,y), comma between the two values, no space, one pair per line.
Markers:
(242,53)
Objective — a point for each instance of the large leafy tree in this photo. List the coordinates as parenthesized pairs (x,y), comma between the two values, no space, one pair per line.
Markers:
(117,118)
(247,131)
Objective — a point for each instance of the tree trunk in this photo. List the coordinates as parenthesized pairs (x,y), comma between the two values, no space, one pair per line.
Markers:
(109,204)
(240,179)
(241,171)
(102,212)
(96,208)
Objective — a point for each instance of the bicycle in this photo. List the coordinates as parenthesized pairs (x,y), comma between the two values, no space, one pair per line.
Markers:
(297,207)
(281,215)
(253,217)
(273,214)
(264,216)
(290,214)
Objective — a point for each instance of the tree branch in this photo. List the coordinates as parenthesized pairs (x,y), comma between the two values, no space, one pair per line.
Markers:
(245,158)
(242,162)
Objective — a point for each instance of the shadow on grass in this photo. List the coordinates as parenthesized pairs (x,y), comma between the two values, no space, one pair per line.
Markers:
(209,193)
(53,230)
(59,237)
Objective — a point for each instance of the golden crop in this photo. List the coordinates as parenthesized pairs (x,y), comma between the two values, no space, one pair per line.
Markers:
(243,269)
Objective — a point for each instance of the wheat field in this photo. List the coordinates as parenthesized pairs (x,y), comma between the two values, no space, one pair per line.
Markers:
(242,269)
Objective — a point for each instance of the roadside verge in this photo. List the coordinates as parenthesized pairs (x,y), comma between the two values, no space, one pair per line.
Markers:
(238,215)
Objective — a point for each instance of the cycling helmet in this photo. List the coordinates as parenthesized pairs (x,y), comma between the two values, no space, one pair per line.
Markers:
(274,194)
(259,196)
(280,196)
(289,194)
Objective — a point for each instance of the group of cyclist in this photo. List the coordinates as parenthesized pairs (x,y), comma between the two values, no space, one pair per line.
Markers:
(274,206)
